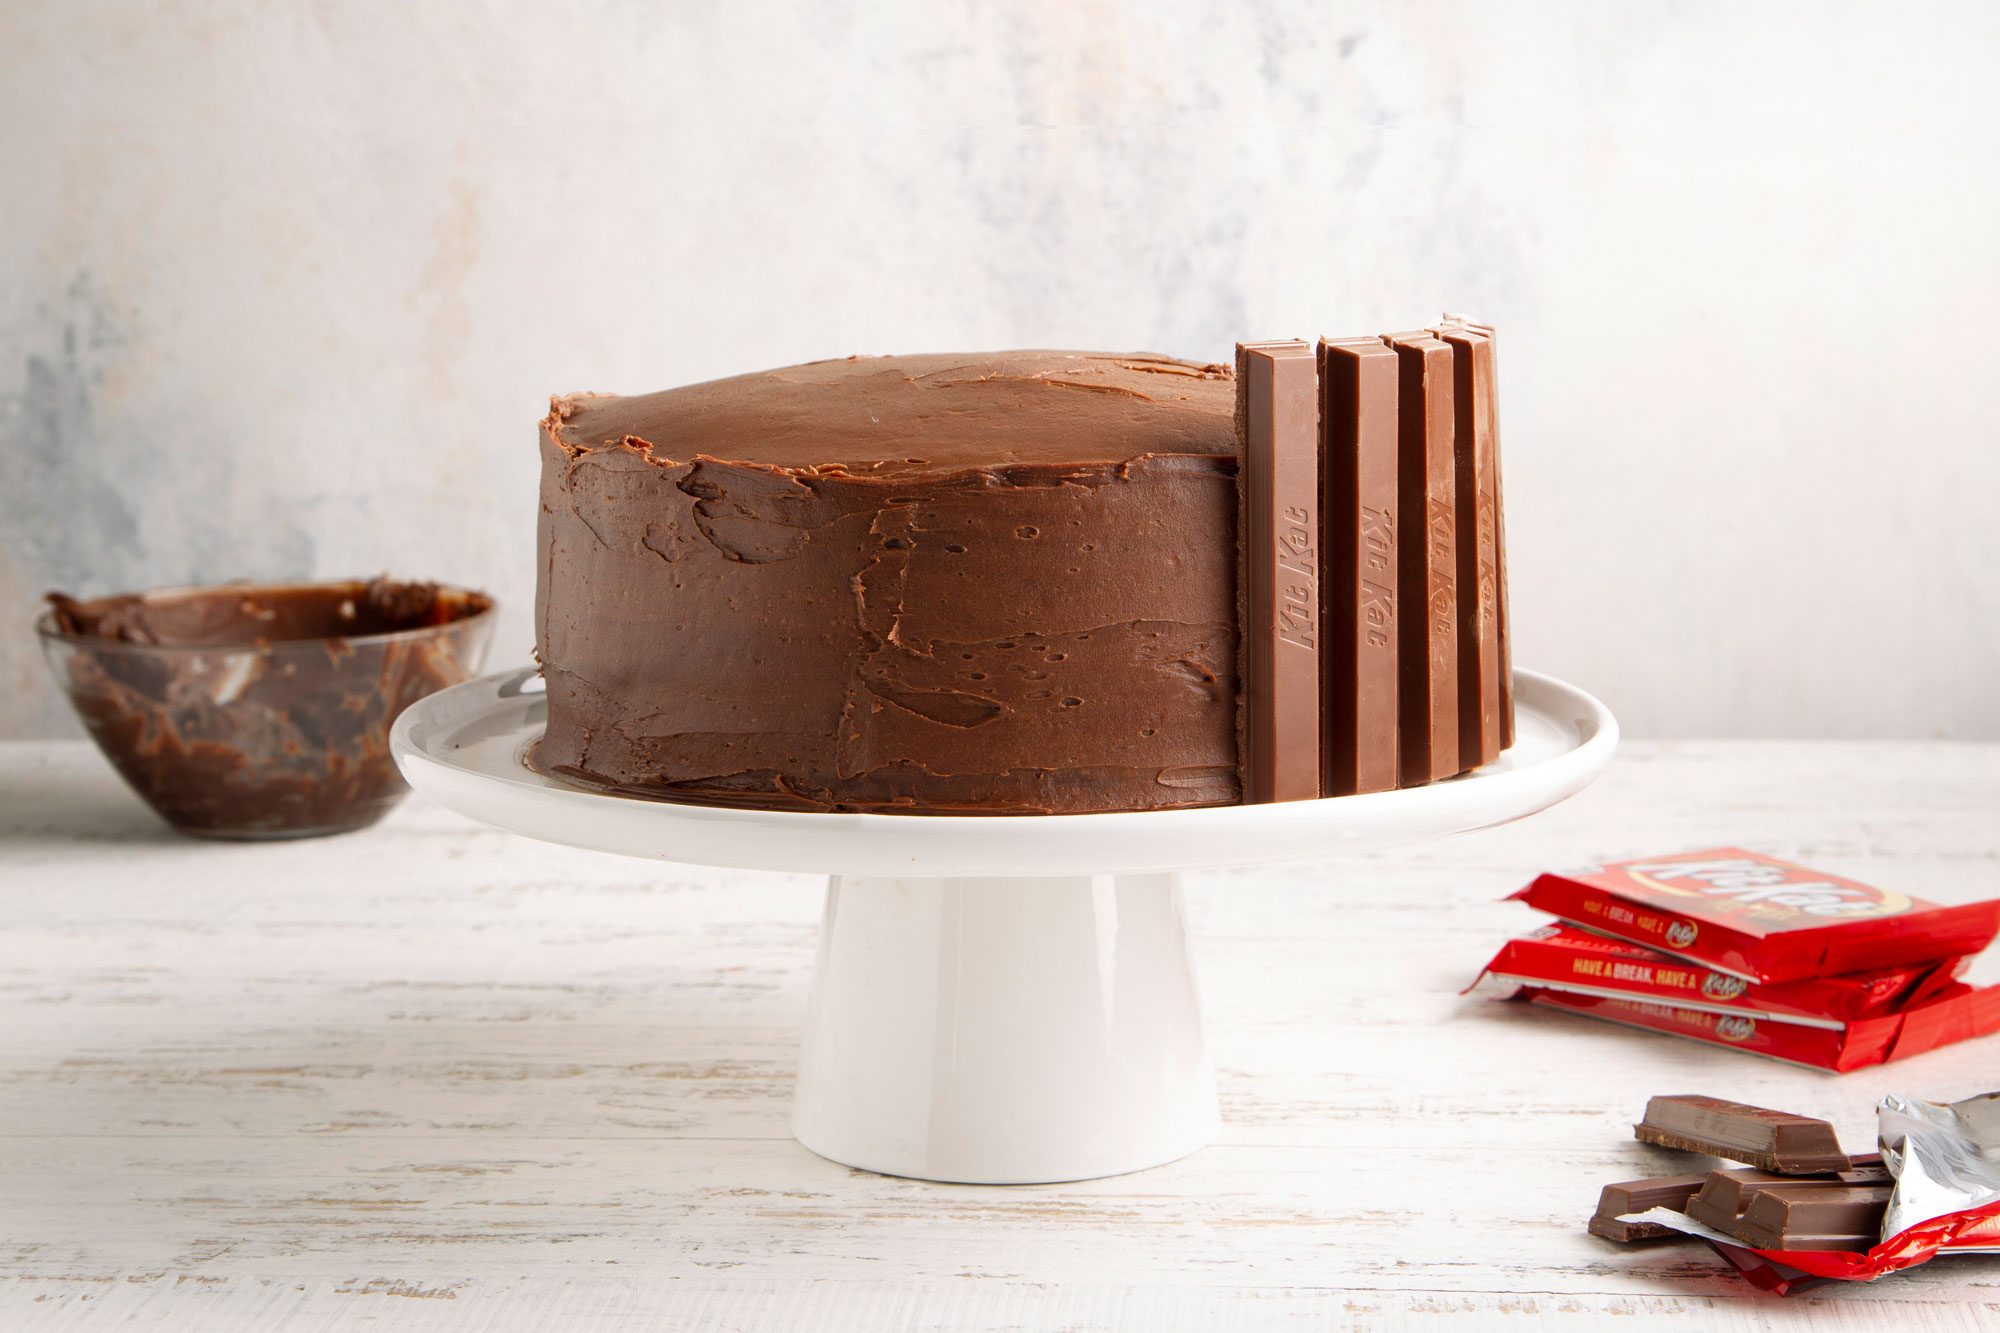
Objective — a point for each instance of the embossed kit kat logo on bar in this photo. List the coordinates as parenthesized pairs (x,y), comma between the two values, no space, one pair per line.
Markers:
(1277,428)
(1298,584)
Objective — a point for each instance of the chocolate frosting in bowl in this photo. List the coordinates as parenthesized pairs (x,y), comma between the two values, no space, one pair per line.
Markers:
(262,711)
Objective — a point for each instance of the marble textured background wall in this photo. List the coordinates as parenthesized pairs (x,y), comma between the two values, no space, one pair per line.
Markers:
(288,285)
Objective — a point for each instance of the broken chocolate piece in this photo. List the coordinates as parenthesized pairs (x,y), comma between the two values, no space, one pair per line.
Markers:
(1788,1217)
(1358,393)
(1428,574)
(1637,1196)
(1775,1140)
(1277,423)
(1725,1194)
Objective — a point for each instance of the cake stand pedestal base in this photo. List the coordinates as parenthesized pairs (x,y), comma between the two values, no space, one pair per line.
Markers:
(1004,1030)
(997,999)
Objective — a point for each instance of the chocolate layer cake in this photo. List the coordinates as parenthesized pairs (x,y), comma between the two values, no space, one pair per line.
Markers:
(1032,582)
(997,583)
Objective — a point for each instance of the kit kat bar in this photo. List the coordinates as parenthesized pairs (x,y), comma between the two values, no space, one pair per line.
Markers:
(1358,392)
(1490,405)
(1724,1195)
(1791,1145)
(1427,645)
(1478,542)
(1786,1217)
(1277,426)
(1638,1196)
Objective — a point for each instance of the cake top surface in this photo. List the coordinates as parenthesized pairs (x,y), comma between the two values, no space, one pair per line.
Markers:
(885,414)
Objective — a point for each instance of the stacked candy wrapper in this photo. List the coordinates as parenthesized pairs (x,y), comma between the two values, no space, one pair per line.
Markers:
(1738,949)
(1805,1213)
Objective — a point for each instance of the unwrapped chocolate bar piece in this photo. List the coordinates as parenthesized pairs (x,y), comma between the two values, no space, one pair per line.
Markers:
(1785,1217)
(1933,1189)
(1775,1140)
(1636,1196)
(1725,1194)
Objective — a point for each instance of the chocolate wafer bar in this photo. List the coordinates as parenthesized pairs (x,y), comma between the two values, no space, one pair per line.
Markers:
(1358,397)
(1787,1217)
(1478,543)
(1775,1140)
(1427,646)
(1277,424)
(1491,406)
(1725,1194)
(1637,1196)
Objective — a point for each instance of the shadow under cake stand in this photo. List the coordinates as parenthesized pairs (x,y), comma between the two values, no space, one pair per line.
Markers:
(997,999)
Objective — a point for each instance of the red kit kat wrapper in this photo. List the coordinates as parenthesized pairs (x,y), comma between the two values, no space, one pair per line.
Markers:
(1954,1014)
(1566,958)
(1760,918)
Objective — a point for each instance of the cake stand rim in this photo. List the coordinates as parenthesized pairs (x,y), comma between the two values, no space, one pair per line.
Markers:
(509,795)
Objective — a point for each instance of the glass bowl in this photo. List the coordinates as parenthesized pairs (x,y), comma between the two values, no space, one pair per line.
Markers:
(262,710)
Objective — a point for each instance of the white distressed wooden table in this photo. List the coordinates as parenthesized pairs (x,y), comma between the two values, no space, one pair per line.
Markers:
(432,1076)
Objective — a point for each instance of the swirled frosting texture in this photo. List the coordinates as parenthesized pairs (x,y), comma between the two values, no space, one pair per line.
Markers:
(998,583)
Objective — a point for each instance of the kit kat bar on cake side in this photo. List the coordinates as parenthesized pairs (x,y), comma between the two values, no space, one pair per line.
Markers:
(1478,540)
(1426,593)
(1277,424)
(1358,391)
(1490,405)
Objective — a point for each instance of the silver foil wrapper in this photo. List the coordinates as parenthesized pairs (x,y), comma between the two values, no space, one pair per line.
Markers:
(1945,1158)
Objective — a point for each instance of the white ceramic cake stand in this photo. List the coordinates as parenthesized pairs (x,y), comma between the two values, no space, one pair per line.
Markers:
(997,1000)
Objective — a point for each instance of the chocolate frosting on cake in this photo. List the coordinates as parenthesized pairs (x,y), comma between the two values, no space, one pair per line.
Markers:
(995,583)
